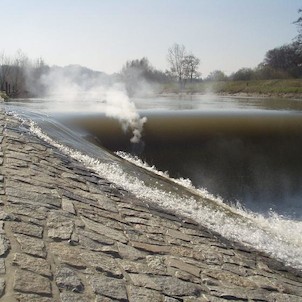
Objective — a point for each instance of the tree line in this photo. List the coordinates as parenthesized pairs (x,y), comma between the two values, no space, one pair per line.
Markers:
(20,76)
(282,62)
(17,74)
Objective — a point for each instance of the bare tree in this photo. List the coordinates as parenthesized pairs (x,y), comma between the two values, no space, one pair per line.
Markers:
(183,66)
(176,60)
(18,73)
(298,23)
(5,67)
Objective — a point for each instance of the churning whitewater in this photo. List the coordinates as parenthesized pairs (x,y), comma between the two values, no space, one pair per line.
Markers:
(275,235)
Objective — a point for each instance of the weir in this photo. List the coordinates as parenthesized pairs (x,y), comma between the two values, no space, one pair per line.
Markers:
(67,234)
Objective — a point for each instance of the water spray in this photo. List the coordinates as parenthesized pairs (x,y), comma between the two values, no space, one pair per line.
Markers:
(119,106)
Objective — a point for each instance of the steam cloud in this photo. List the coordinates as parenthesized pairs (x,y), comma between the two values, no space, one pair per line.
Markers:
(120,107)
(107,95)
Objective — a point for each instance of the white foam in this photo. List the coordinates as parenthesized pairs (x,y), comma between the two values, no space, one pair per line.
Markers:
(279,228)
(274,235)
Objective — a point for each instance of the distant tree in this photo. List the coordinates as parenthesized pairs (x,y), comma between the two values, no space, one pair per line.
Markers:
(191,64)
(243,74)
(298,23)
(18,73)
(138,75)
(176,57)
(12,73)
(264,72)
(217,75)
(182,66)
(5,67)
(286,59)
(298,40)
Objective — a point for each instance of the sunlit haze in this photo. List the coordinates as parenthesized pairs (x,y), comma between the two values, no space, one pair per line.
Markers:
(103,35)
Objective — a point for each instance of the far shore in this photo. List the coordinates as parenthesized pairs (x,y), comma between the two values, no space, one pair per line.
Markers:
(245,95)
(278,88)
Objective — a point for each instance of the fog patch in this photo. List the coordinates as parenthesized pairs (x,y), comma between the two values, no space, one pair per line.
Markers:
(75,88)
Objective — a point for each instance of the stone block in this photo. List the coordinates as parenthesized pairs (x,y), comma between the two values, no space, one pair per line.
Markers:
(33,264)
(31,245)
(4,245)
(109,287)
(67,278)
(28,282)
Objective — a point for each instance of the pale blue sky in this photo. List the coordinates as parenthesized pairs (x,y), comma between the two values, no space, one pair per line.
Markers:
(104,34)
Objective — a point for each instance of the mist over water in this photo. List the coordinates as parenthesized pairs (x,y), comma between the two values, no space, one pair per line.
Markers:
(72,90)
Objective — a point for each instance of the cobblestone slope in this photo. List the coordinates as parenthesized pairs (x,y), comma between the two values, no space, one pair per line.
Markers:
(68,235)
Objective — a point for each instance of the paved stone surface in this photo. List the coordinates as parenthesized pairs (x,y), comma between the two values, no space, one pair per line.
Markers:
(67,234)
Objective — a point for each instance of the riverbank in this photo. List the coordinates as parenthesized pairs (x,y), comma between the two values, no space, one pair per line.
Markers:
(66,234)
(288,88)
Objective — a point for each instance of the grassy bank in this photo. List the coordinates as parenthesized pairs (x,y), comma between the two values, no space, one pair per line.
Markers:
(289,87)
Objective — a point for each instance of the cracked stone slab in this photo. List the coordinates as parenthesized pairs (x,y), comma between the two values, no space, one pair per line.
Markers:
(34,198)
(153,248)
(2,227)
(75,297)
(104,230)
(93,241)
(33,264)
(141,268)
(67,278)
(67,205)
(28,282)
(2,286)
(22,297)
(59,226)
(25,210)
(31,245)
(102,262)
(4,245)
(178,235)
(2,266)
(141,294)
(28,229)
(129,252)
(67,254)
(8,216)
(183,266)
(170,286)
(109,287)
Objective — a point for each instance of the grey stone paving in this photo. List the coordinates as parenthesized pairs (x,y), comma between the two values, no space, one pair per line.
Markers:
(66,235)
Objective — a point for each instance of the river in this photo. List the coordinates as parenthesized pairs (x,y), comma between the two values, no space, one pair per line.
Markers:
(232,164)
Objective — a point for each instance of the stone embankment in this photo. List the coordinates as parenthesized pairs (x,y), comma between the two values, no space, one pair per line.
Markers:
(67,234)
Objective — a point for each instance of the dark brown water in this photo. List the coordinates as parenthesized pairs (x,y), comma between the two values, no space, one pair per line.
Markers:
(246,150)
(251,157)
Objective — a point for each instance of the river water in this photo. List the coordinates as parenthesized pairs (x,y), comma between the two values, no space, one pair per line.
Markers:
(232,164)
